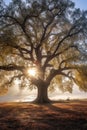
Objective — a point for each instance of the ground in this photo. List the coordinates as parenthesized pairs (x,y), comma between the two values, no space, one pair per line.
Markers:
(62,115)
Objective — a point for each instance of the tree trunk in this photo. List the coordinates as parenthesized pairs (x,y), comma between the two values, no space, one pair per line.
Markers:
(42,95)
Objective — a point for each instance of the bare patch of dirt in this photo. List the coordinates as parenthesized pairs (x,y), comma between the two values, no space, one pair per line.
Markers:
(69,115)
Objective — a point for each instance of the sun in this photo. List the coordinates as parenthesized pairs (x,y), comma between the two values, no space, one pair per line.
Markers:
(32,72)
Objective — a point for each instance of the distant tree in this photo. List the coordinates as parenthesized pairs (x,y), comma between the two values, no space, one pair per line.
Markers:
(45,36)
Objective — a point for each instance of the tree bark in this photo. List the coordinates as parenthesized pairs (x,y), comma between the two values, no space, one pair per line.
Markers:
(42,95)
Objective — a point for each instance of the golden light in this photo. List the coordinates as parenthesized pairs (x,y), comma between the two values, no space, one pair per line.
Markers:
(32,71)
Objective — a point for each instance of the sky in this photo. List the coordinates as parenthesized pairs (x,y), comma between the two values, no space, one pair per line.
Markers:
(82,4)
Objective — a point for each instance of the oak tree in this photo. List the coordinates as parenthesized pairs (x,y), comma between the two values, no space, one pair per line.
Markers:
(41,42)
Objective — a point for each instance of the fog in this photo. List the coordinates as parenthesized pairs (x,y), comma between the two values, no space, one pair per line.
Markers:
(15,94)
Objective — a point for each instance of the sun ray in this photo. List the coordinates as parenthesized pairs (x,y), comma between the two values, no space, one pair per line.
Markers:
(32,71)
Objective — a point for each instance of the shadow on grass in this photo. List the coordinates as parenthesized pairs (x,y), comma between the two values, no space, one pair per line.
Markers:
(66,119)
(54,116)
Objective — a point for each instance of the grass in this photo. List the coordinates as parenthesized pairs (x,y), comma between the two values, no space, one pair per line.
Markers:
(63,115)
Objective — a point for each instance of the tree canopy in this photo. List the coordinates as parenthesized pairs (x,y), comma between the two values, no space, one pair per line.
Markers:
(47,35)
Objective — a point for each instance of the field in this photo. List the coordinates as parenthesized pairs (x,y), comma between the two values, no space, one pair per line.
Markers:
(62,115)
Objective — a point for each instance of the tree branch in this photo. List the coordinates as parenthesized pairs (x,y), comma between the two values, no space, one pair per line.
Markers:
(11,80)
(11,67)
(67,36)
